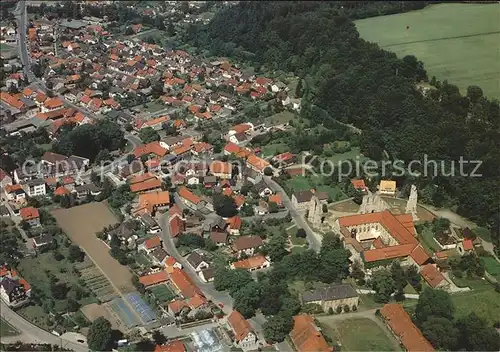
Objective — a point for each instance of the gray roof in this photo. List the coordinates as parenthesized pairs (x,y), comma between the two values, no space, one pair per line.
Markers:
(195,259)
(88,187)
(159,254)
(330,293)
(148,220)
(303,196)
(43,239)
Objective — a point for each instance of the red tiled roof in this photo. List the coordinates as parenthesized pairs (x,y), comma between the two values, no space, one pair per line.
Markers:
(400,323)
(61,191)
(148,185)
(359,184)
(250,263)
(241,128)
(431,275)
(232,148)
(152,242)
(234,222)
(240,325)
(306,337)
(391,252)
(184,283)
(154,279)
(172,346)
(390,222)
(468,245)
(150,148)
(29,213)
(177,226)
(188,195)
(220,167)
(177,305)
(419,255)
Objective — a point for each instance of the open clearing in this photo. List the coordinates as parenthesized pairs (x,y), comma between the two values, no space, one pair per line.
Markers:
(483,302)
(357,334)
(80,224)
(456,42)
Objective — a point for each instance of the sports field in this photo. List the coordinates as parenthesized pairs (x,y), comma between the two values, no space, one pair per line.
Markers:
(456,42)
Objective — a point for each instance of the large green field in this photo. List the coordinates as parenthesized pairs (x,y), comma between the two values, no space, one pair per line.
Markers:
(358,334)
(456,42)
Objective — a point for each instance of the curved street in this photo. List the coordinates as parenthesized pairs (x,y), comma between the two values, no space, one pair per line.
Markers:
(313,238)
(33,334)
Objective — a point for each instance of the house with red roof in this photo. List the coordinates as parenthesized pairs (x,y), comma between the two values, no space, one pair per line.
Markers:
(306,336)
(30,215)
(244,335)
(171,346)
(150,244)
(401,325)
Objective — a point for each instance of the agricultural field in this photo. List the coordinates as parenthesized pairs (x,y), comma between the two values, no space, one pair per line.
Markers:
(97,283)
(484,302)
(456,42)
(80,224)
(358,334)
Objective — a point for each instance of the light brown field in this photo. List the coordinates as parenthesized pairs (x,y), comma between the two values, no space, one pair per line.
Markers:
(94,311)
(80,224)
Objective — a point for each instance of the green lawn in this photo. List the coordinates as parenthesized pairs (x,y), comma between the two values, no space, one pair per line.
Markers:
(352,154)
(142,259)
(7,330)
(153,106)
(427,239)
(462,54)
(162,293)
(357,334)
(296,250)
(484,233)
(282,117)
(299,183)
(492,266)
(273,149)
(485,303)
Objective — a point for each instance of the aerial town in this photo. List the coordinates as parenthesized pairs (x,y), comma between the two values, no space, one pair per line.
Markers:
(161,191)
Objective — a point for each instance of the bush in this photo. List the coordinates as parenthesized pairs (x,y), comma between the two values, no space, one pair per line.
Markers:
(347,309)
(354,308)
(330,310)
(339,309)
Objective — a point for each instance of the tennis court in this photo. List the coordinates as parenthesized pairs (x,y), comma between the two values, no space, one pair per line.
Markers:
(121,309)
(144,310)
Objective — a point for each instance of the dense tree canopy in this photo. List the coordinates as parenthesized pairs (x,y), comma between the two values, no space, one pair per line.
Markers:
(100,335)
(89,139)
(349,80)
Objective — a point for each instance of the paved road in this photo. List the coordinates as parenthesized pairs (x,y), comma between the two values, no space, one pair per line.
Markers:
(207,288)
(32,333)
(367,314)
(313,238)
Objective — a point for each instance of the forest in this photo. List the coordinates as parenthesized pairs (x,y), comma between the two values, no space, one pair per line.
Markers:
(357,82)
